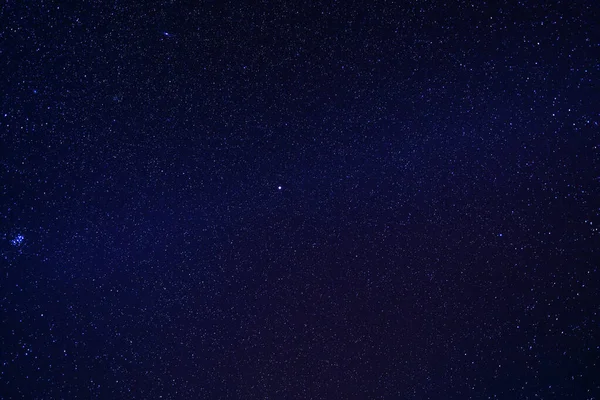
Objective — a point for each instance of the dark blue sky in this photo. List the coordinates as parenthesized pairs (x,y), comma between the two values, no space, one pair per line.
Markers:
(256,199)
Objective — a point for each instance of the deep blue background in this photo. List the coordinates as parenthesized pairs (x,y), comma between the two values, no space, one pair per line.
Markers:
(435,235)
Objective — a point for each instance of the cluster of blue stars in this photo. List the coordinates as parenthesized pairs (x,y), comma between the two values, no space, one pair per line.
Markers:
(17,240)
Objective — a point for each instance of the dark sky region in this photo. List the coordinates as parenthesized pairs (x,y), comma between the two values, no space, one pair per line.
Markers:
(299,200)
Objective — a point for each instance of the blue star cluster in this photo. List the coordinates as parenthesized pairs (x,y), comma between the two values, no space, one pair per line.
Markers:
(299,200)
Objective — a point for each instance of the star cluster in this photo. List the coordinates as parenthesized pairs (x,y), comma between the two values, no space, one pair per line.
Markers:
(299,200)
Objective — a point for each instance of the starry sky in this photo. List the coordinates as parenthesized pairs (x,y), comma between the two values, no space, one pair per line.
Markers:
(299,200)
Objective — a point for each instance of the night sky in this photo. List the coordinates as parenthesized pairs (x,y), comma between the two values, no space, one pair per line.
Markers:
(280,200)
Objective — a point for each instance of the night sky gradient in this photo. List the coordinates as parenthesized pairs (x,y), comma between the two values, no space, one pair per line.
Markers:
(299,200)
